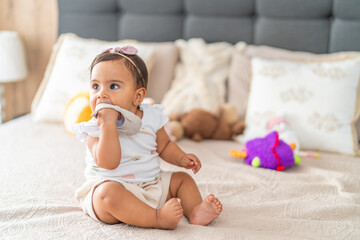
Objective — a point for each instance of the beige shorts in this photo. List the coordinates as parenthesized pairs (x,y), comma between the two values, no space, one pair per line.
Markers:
(152,193)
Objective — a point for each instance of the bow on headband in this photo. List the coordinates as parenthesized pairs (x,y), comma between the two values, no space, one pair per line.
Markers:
(128,50)
(125,52)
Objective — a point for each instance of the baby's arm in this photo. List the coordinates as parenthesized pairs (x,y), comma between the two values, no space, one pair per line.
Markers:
(171,152)
(106,149)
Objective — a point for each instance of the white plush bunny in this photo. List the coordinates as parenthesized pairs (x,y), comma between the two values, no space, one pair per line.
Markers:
(280,125)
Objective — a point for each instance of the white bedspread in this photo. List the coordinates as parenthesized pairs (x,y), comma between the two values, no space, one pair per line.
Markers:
(41,166)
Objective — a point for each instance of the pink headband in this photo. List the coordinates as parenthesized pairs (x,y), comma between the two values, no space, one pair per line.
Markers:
(128,50)
(125,52)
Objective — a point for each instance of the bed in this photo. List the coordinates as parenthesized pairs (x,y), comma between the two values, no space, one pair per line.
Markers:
(42,164)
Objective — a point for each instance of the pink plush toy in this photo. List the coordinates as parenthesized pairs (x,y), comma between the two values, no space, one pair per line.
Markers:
(268,152)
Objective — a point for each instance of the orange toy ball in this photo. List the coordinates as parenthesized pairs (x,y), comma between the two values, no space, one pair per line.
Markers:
(77,110)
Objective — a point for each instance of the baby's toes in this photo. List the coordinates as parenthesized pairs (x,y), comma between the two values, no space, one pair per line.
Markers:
(177,204)
(211,198)
(215,201)
(217,204)
(174,201)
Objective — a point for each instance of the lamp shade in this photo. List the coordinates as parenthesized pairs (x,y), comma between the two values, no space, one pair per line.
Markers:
(12,57)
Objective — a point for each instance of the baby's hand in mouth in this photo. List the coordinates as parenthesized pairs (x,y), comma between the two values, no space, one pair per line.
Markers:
(107,115)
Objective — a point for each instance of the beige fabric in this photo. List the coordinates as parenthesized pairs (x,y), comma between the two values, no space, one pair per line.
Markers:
(166,56)
(131,122)
(152,193)
(42,166)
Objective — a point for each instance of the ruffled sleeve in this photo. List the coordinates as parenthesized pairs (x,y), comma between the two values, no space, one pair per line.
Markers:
(162,119)
(81,130)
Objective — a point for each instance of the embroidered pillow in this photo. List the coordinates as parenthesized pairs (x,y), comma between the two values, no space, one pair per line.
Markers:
(321,100)
(240,69)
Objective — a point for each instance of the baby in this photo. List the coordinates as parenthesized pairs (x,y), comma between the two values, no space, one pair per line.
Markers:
(124,179)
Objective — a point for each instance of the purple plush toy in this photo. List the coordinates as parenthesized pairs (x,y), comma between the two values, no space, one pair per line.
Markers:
(268,152)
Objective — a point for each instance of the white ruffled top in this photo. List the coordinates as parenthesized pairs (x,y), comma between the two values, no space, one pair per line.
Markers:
(139,159)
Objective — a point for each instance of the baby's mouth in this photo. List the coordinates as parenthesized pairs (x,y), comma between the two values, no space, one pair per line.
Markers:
(105,100)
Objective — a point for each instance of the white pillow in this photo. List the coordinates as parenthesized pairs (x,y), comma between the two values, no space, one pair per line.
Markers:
(68,73)
(200,76)
(321,101)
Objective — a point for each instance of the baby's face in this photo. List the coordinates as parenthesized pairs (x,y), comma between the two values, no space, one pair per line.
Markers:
(111,82)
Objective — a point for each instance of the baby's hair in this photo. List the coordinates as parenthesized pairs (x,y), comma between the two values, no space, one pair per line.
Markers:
(140,77)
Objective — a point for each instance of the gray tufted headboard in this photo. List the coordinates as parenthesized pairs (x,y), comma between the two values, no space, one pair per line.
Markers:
(318,26)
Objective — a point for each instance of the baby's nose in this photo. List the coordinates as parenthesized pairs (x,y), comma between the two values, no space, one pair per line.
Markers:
(102,94)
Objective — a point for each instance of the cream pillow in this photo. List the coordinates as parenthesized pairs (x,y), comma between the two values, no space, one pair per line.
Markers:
(68,73)
(166,56)
(199,77)
(240,70)
(321,100)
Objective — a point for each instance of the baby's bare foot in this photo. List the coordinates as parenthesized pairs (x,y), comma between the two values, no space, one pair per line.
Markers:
(206,211)
(170,214)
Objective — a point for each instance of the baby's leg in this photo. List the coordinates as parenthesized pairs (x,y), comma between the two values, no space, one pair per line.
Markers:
(113,203)
(198,211)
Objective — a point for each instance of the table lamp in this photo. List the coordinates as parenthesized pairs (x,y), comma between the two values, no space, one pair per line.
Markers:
(12,62)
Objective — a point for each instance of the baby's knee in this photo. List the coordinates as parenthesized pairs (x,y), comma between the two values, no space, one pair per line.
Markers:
(183,176)
(104,193)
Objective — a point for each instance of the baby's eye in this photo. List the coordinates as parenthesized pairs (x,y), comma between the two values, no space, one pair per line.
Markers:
(95,86)
(114,86)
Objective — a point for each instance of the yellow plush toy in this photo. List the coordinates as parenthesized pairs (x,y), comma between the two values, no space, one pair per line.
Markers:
(77,110)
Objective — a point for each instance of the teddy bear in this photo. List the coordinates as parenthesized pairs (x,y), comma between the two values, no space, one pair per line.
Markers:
(199,124)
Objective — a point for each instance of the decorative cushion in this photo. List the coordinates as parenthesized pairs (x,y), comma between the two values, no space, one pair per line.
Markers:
(68,73)
(321,100)
(240,70)
(166,56)
(200,76)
